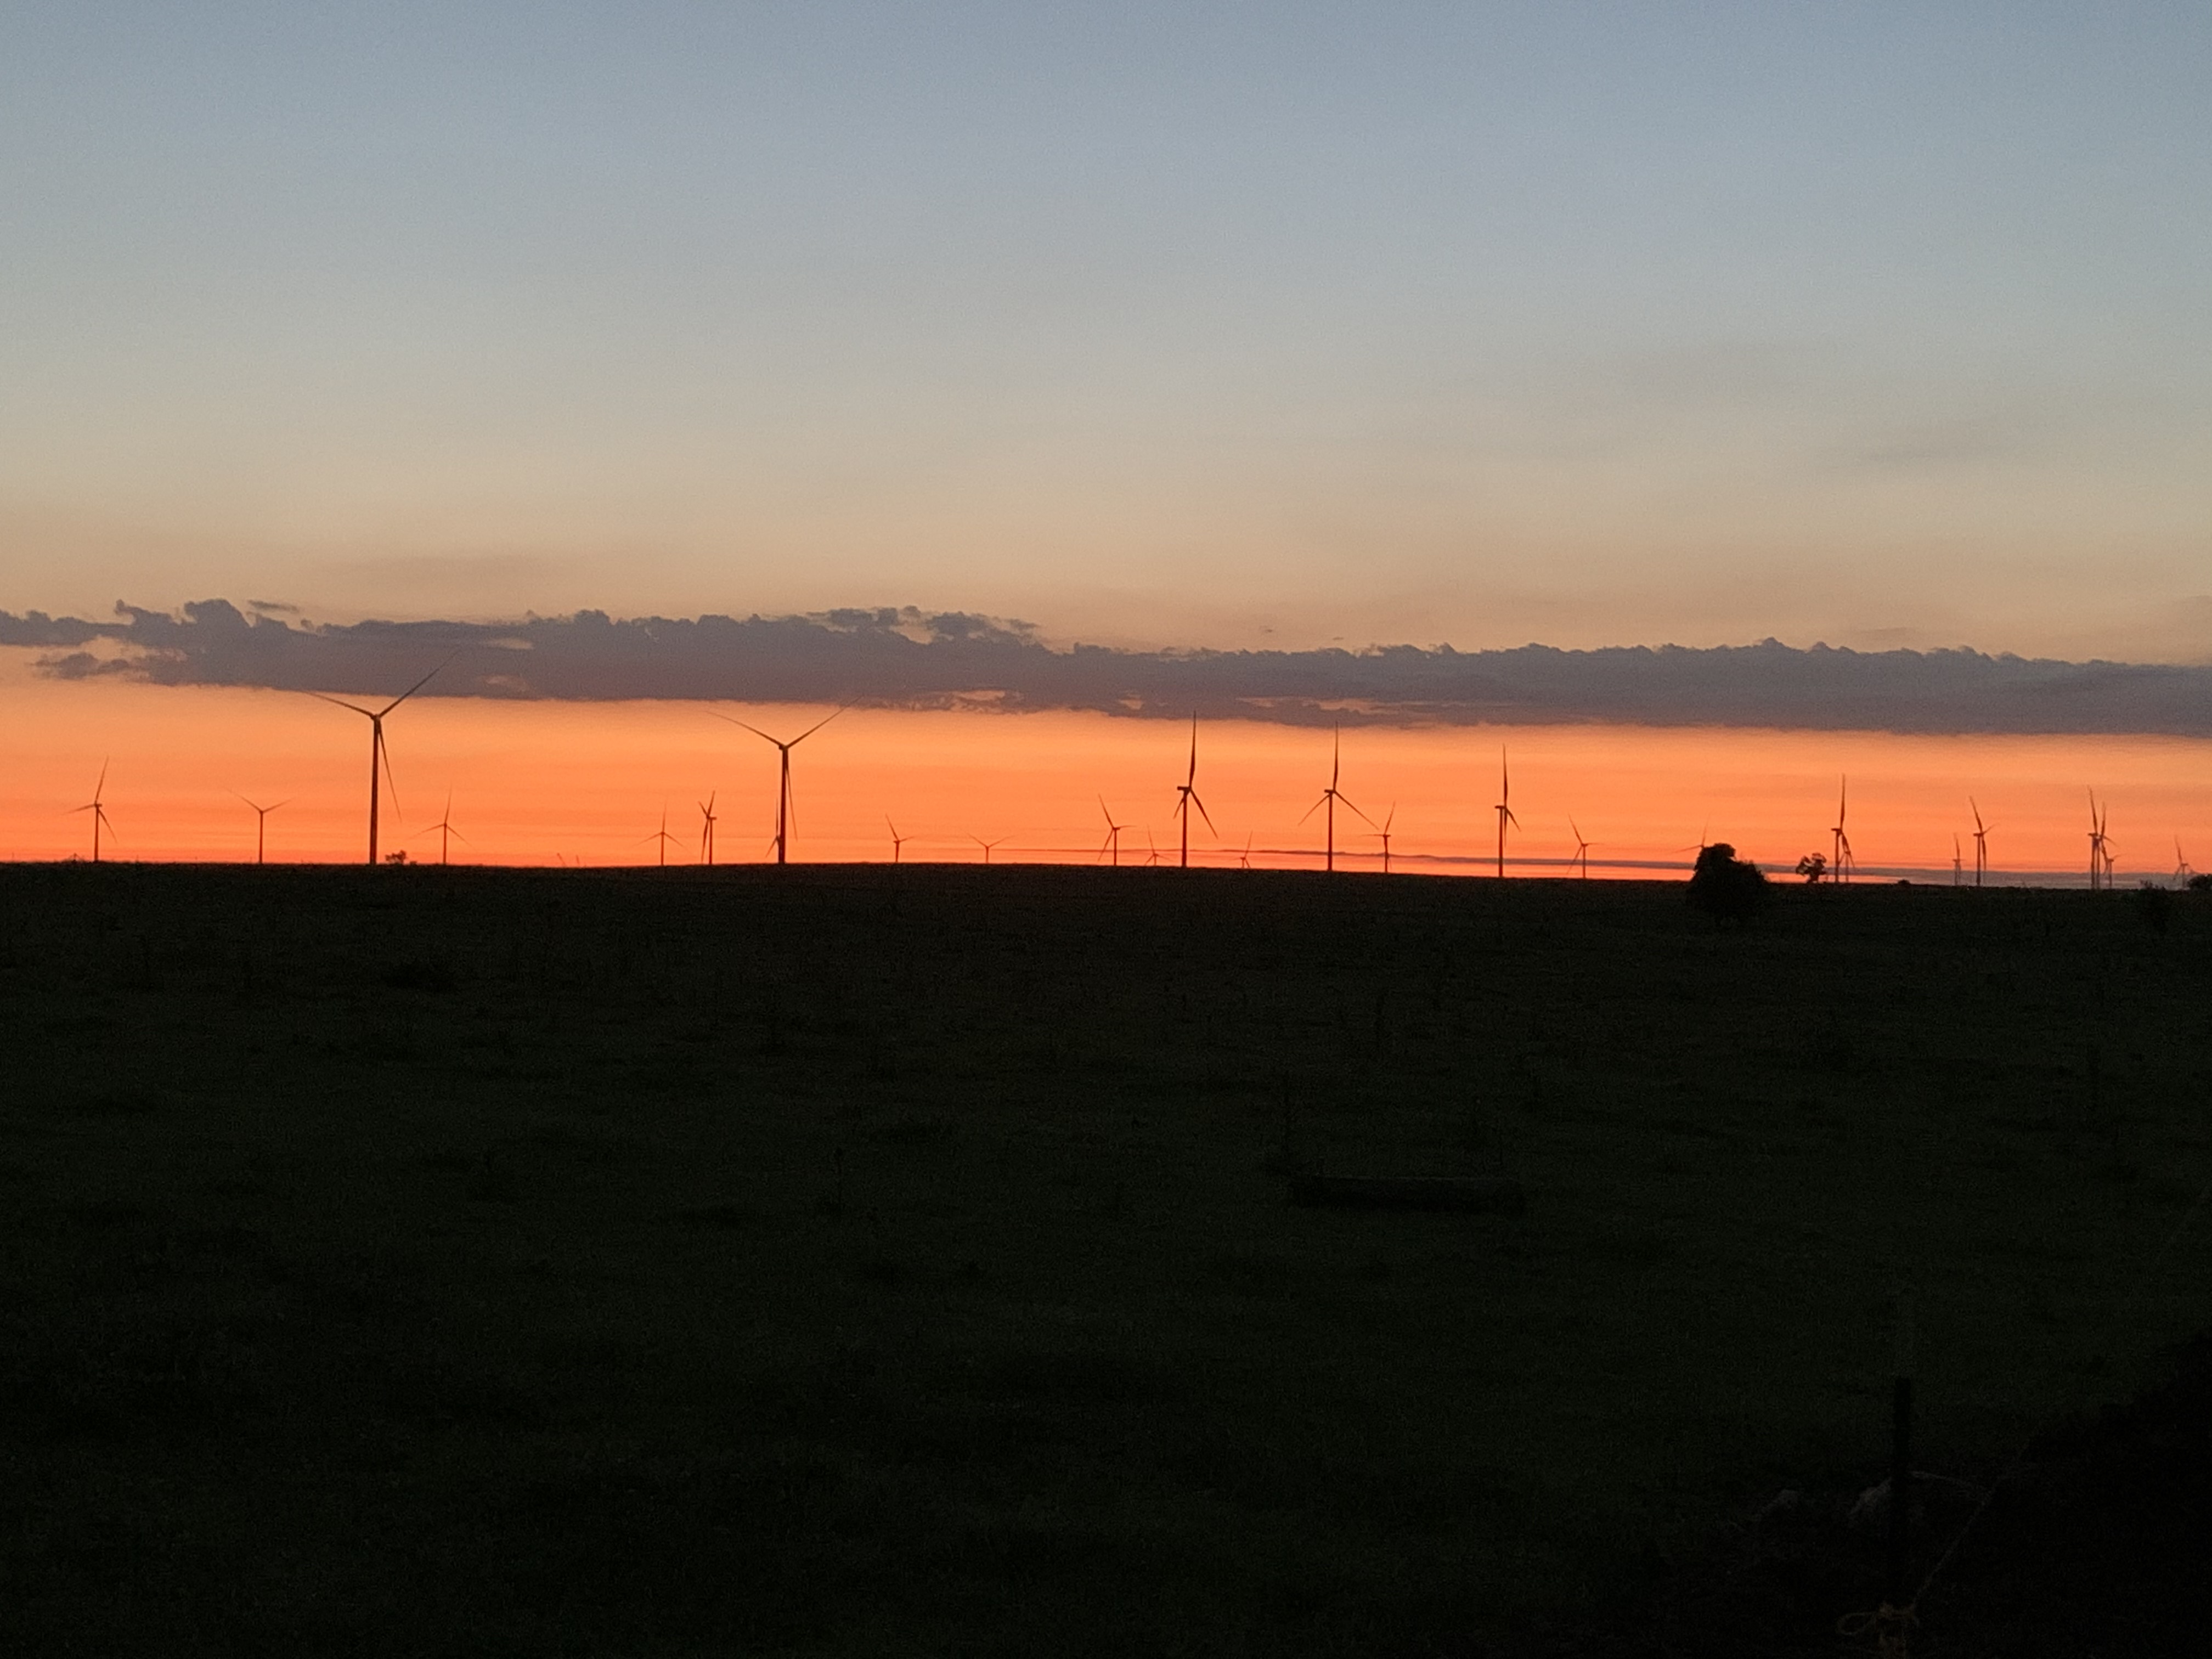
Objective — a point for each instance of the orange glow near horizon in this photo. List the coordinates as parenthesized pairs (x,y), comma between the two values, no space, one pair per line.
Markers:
(540,783)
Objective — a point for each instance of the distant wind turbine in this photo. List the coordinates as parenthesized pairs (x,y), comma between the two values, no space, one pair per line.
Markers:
(2181,870)
(1581,849)
(706,832)
(1505,809)
(1957,859)
(1111,846)
(444,826)
(378,755)
(1839,867)
(1981,841)
(100,818)
(898,841)
(1245,859)
(2100,853)
(1330,796)
(987,845)
(1384,835)
(1187,797)
(786,812)
(660,837)
(261,824)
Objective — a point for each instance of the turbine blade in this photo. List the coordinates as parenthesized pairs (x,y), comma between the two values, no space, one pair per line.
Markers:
(1364,818)
(749,726)
(384,753)
(1310,811)
(343,703)
(1203,813)
(417,686)
(818,724)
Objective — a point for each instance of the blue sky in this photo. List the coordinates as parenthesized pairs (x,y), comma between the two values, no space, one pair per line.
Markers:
(1195,325)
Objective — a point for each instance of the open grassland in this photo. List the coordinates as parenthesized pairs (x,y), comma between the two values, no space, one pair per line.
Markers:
(837,1261)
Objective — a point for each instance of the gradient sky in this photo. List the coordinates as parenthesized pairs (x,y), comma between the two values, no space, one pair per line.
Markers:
(1884,323)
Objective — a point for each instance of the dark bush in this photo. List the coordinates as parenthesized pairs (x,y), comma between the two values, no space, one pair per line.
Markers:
(2153,906)
(1725,887)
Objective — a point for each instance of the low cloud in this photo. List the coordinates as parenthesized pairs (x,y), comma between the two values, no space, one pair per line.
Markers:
(908,657)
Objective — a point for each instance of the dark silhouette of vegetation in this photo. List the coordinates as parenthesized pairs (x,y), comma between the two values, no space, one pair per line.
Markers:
(2200,884)
(1727,888)
(2153,906)
(1813,866)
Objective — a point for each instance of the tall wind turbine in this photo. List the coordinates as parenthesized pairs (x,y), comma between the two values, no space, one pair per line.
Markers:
(1330,796)
(2099,859)
(444,826)
(706,832)
(378,755)
(1581,849)
(1981,841)
(100,818)
(1111,846)
(1957,859)
(898,841)
(1187,797)
(1505,809)
(1839,867)
(261,824)
(660,836)
(786,810)
(2181,870)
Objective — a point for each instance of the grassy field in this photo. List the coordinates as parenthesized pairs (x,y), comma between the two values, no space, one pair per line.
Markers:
(843,1261)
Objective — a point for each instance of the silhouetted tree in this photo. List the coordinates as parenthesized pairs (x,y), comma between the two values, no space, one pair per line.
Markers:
(1725,887)
(2155,906)
(2200,884)
(1813,866)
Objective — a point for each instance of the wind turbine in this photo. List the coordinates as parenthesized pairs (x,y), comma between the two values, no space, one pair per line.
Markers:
(2181,870)
(444,826)
(1389,817)
(785,810)
(1244,857)
(1839,867)
(261,824)
(1505,809)
(1957,859)
(378,755)
(1330,796)
(1187,797)
(2097,858)
(1152,851)
(1581,849)
(898,841)
(661,836)
(1111,846)
(986,845)
(99,812)
(706,832)
(1981,841)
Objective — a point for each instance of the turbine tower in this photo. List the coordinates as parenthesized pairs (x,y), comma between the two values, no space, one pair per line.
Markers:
(898,841)
(1981,841)
(660,836)
(1581,849)
(706,832)
(444,826)
(378,755)
(1839,867)
(1111,846)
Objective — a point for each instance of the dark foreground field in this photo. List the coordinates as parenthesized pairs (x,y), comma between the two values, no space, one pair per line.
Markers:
(871,1262)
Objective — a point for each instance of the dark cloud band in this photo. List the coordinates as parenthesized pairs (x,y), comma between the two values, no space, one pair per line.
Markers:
(912,658)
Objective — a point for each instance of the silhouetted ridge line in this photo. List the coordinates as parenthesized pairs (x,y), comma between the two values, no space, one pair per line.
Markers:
(921,660)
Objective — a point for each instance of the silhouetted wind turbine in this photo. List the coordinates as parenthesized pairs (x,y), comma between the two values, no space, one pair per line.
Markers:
(2181,870)
(378,755)
(2097,854)
(1981,841)
(444,826)
(1505,809)
(1152,851)
(1389,819)
(987,845)
(1839,867)
(660,836)
(100,818)
(1957,859)
(786,810)
(1187,797)
(1111,846)
(1330,796)
(1245,859)
(898,841)
(706,832)
(261,823)
(1581,849)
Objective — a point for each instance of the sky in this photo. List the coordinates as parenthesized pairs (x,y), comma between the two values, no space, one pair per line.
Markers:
(1187,326)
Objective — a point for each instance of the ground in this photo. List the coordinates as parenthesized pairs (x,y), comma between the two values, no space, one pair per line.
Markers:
(870,1260)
